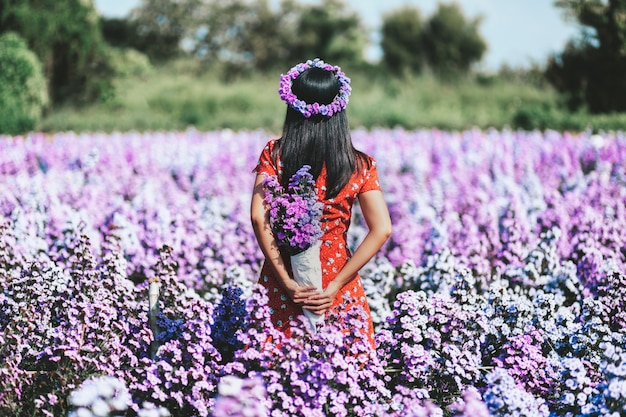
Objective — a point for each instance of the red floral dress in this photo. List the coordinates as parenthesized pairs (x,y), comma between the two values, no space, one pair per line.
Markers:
(334,252)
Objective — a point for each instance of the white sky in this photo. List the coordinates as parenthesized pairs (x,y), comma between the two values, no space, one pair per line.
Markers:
(517,32)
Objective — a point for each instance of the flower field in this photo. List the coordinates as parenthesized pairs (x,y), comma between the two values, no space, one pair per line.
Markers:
(500,293)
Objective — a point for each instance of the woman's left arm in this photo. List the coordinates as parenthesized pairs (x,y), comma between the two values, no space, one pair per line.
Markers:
(377,218)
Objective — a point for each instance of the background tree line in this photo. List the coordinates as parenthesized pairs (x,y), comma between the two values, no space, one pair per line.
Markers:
(78,53)
(250,35)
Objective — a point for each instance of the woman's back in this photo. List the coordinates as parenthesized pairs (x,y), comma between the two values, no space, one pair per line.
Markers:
(316,134)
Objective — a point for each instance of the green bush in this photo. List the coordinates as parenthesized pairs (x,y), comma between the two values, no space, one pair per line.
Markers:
(65,35)
(23,92)
(534,116)
(128,62)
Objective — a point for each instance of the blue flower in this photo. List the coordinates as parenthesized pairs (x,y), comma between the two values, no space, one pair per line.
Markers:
(229,318)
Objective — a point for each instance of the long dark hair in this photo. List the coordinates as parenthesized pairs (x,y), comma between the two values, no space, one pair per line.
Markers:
(318,140)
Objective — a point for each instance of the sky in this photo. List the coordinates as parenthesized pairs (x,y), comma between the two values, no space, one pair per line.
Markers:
(518,33)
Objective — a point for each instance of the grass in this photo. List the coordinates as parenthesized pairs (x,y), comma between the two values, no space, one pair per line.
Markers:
(178,96)
(425,102)
(172,100)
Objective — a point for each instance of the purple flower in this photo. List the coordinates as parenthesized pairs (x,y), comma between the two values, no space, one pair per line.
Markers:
(518,249)
(295,213)
(239,397)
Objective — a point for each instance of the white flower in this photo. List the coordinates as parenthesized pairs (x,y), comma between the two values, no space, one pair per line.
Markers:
(148,409)
(85,395)
(81,412)
(597,141)
(230,386)
(100,408)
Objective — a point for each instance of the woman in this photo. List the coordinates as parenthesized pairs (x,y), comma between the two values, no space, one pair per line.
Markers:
(316,133)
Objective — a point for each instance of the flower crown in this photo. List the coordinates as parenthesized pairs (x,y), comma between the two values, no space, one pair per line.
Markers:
(309,109)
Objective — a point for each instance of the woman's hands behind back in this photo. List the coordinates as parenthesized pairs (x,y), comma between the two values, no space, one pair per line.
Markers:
(376,215)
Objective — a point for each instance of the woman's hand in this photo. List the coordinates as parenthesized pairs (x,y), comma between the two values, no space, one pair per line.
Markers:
(376,216)
(259,214)
(320,302)
(299,294)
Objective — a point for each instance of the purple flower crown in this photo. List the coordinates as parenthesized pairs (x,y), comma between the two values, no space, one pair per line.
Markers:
(309,109)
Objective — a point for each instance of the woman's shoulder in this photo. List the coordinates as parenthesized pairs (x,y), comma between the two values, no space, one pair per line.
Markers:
(266,162)
(367,174)
(365,160)
(270,144)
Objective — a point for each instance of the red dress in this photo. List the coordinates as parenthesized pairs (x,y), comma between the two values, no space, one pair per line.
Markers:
(334,252)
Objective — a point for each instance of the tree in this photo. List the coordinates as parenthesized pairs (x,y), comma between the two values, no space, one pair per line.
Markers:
(127,33)
(402,40)
(451,42)
(329,31)
(158,27)
(268,33)
(65,35)
(245,34)
(241,35)
(249,34)
(23,93)
(590,71)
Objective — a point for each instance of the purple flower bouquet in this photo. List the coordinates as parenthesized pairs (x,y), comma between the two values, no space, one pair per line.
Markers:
(295,219)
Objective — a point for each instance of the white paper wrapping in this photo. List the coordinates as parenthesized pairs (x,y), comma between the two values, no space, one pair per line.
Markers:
(307,270)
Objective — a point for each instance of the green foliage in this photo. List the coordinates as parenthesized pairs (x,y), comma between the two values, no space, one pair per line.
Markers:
(267,33)
(128,62)
(402,40)
(590,71)
(427,102)
(66,37)
(448,43)
(451,42)
(177,96)
(242,36)
(246,35)
(539,117)
(159,46)
(532,75)
(156,27)
(329,31)
(568,71)
(534,116)
(23,93)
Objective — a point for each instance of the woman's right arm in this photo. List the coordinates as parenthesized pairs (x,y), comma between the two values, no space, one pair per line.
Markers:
(259,215)
(377,218)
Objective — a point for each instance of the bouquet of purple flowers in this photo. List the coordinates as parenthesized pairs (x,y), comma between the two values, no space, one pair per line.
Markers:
(295,219)
(295,213)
